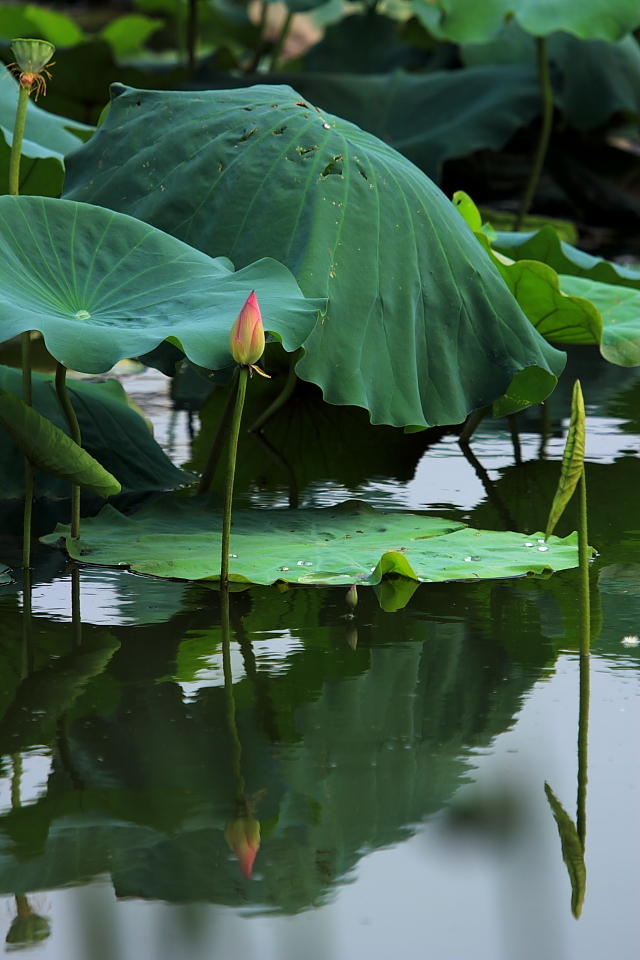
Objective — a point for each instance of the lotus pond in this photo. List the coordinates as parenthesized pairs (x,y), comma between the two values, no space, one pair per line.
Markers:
(319,582)
(396,761)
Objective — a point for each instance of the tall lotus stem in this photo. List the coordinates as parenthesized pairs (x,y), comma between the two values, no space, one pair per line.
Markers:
(546,91)
(231,473)
(74,430)
(32,57)
(583,559)
(246,343)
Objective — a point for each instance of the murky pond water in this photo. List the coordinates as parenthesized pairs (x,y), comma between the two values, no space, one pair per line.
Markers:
(397,762)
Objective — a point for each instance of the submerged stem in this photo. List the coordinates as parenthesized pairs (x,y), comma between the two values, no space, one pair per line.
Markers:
(230,704)
(74,430)
(546,91)
(16,144)
(231,472)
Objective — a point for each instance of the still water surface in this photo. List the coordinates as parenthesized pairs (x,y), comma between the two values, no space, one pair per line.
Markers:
(397,762)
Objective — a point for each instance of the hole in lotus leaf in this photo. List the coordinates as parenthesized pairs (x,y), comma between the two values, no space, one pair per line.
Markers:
(83,315)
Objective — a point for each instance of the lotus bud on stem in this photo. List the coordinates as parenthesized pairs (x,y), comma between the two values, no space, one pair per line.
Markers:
(32,56)
(351,600)
(246,343)
(243,837)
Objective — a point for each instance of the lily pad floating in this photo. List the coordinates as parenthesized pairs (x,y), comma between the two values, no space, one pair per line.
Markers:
(348,543)
(419,328)
(101,286)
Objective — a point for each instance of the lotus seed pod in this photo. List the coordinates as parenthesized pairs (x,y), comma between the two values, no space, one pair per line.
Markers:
(32,55)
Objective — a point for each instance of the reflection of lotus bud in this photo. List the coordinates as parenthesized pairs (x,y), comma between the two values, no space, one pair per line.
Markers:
(247,334)
(243,836)
(351,598)
(32,55)
(27,928)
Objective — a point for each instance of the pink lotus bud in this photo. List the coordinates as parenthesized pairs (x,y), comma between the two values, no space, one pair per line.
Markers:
(243,836)
(247,334)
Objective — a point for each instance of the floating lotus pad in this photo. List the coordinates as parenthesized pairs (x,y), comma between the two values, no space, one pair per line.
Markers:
(348,543)
(101,286)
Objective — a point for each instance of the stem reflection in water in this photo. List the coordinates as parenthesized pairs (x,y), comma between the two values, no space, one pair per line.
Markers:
(242,833)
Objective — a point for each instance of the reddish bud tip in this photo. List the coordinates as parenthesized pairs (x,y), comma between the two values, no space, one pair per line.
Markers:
(246,340)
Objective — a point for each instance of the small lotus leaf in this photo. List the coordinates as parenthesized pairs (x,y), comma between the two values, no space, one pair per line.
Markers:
(572,852)
(572,461)
(48,448)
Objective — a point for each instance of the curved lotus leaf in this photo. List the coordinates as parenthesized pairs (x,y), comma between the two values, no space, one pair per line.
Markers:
(467,21)
(420,329)
(348,543)
(620,311)
(101,286)
(114,434)
(48,448)
(564,258)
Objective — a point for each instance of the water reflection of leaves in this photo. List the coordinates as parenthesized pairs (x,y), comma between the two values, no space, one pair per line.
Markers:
(352,747)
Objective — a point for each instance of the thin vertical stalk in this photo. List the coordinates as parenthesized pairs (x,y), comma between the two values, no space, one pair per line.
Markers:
(27,396)
(280,400)
(515,437)
(472,423)
(26,666)
(253,64)
(74,430)
(76,620)
(583,560)
(218,440)
(16,145)
(583,735)
(546,91)
(192,36)
(279,44)
(231,473)
(230,704)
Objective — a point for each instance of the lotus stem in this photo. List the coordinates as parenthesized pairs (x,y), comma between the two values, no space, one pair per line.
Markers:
(26,666)
(218,440)
(260,47)
(16,145)
(76,619)
(192,35)
(27,396)
(583,560)
(280,400)
(74,430)
(472,423)
(515,437)
(231,473)
(230,704)
(583,734)
(546,91)
(279,44)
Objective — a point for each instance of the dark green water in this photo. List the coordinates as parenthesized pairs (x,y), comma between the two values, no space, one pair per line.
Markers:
(396,762)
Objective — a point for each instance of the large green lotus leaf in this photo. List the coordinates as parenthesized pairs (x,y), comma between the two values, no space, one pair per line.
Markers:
(101,286)
(348,543)
(419,330)
(428,117)
(112,433)
(620,311)
(595,78)
(548,248)
(467,21)
(46,140)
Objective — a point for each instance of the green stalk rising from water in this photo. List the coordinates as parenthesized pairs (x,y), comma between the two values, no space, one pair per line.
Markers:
(231,472)
(32,57)
(546,91)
